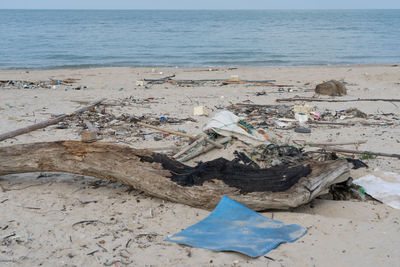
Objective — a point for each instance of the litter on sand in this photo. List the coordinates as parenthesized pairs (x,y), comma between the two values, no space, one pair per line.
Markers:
(384,187)
(234,227)
(200,111)
(226,123)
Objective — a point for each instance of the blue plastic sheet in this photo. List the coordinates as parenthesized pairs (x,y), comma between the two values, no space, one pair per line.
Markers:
(234,227)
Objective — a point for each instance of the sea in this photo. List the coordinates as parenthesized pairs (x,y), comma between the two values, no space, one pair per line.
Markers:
(46,39)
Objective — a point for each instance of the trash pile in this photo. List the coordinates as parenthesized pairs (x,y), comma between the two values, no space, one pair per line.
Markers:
(302,117)
(50,84)
(133,101)
(255,134)
(234,79)
(104,124)
(261,128)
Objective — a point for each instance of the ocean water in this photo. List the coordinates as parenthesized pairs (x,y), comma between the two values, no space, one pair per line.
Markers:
(89,38)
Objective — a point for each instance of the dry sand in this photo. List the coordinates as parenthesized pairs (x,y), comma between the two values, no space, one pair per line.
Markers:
(129,227)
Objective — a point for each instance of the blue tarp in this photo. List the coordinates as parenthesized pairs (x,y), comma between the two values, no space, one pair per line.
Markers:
(234,227)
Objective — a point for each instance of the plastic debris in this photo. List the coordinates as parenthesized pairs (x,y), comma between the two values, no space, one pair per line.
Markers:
(139,83)
(384,187)
(306,109)
(200,111)
(302,130)
(234,227)
(301,117)
(234,78)
(226,123)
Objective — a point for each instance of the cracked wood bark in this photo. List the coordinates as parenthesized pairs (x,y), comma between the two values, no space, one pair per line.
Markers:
(126,165)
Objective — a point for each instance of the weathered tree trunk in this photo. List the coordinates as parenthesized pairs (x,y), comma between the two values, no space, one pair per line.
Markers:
(201,186)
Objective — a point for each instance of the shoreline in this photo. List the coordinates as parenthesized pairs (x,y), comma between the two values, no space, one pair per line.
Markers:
(202,67)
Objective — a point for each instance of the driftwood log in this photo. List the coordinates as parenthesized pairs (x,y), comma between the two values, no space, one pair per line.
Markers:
(155,174)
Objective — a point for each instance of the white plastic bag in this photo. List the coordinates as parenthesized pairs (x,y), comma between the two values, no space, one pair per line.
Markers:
(384,187)
(225,123)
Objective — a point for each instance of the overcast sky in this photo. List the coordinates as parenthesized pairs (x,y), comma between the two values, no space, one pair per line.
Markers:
(199,4)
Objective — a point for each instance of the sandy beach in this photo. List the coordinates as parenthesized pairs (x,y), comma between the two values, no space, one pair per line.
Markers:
(128,227)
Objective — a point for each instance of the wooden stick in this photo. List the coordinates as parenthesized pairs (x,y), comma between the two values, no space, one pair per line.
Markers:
(335,149)
(222,81)
(335,144)
(208,140)
(187,148)
(310,99)
(166,130)
(352,123)
(252,105)
(46,123)
(168,79)
(160,80)
(205,149)
(178,133)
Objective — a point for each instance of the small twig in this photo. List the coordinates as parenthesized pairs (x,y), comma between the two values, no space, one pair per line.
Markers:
(103,248)
(269,258)
(128,243)
(91,253)
(84,202)
(31,208)
(87,222)
(8,236)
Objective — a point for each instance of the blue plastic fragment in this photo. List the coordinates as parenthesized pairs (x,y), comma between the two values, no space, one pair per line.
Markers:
(234,227)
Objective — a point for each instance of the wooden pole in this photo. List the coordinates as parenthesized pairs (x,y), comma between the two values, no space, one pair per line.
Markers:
(335,144)
(340,150)
(204,150)
(310,99)
(167,131)
(46,123)
(352,123)
(178,133)
(188,147)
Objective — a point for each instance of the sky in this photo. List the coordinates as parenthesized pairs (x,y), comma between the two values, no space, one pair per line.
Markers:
(200,4)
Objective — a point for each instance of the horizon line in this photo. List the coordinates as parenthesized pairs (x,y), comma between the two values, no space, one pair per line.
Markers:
(198,9)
